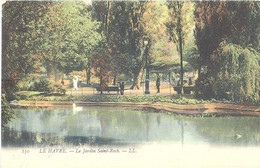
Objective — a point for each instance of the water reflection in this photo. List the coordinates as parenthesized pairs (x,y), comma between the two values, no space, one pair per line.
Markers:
(123,126)
(230,130)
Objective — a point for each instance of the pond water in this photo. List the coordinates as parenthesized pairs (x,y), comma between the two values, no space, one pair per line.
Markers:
(108,126)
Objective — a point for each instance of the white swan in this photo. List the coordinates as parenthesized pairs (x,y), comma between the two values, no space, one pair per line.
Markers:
(76,109)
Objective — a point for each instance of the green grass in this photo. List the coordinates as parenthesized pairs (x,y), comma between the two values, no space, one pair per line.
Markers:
(176,99)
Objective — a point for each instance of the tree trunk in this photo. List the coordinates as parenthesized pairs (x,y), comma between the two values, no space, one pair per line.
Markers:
(180,49)
(147,81)
(181,67)
(101,85)
(147,77)
(55,73)
(107,20)
(49,69)
(88,75)
(139,70)
(137,79)
(199,72)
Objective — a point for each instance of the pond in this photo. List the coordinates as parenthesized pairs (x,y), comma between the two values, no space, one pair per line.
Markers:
(95,136)
(108,126)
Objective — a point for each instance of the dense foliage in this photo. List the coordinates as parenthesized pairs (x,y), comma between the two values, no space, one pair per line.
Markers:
(18,58)
(6,111)
(238,77)
(227,38)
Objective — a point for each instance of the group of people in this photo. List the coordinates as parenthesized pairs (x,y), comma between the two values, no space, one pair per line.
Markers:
(121,85)
(185,82)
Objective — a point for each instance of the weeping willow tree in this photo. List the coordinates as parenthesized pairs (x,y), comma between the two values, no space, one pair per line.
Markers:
(236,73)
(227,38)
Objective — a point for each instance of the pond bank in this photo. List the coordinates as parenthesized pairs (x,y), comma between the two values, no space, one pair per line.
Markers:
(218,109)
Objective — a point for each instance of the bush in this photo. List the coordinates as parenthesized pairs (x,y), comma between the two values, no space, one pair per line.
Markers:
(44,85)
(234,75)
(238,73)
(60,89)
(27,83)
(6,111)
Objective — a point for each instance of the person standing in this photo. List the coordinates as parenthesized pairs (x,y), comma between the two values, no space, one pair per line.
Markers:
(190,82)
(62,81)
(75,83)
(122,88)
(158,84)
(119,87)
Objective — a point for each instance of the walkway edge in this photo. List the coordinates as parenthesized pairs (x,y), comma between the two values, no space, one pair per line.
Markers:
(211,109)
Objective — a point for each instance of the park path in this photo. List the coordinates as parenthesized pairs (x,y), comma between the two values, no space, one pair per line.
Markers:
(165,90)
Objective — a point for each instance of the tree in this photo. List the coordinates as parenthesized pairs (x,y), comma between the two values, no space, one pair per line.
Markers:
(112,17)
(102,66)
(227,31)
(69,38)
(179,27)
(60,35)
(129,28)
(117,39)
(145,23)
(80,40)
(237,76)
(102,56)
(18,56)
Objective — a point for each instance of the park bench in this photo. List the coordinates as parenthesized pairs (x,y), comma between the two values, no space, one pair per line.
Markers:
(186,89)
(109,89)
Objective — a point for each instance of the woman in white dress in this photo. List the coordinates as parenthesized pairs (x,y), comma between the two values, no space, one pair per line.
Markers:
(75,83)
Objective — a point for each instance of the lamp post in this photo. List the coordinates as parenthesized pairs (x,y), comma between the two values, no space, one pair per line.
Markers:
(147,78)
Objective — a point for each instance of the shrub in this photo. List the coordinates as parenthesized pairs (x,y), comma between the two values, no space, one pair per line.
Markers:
(60,89)
(238,73)
(27,83)
(44,85)
(6,111)
(234,74)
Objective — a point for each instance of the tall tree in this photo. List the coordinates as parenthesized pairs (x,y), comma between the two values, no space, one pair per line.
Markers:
(102,57)
(69,37)
(179,27)
(131,27)
(117,39)
(18,56)
(145,22)
(80,39)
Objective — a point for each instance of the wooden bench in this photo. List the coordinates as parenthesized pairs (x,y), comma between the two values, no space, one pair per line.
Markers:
(186,89)
(109,89)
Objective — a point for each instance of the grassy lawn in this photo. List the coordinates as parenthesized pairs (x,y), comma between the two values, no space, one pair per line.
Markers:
(176,99)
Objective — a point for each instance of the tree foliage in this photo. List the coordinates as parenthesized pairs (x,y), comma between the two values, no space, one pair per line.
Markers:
(7,112)
(69,37)
(18,58)
(227,37)
(130,28)
(238,76)
(114,38)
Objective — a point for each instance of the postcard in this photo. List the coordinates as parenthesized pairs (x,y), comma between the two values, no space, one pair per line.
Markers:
(130,84)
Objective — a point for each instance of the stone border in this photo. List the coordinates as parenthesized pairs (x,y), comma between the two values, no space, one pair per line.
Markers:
(204,109)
